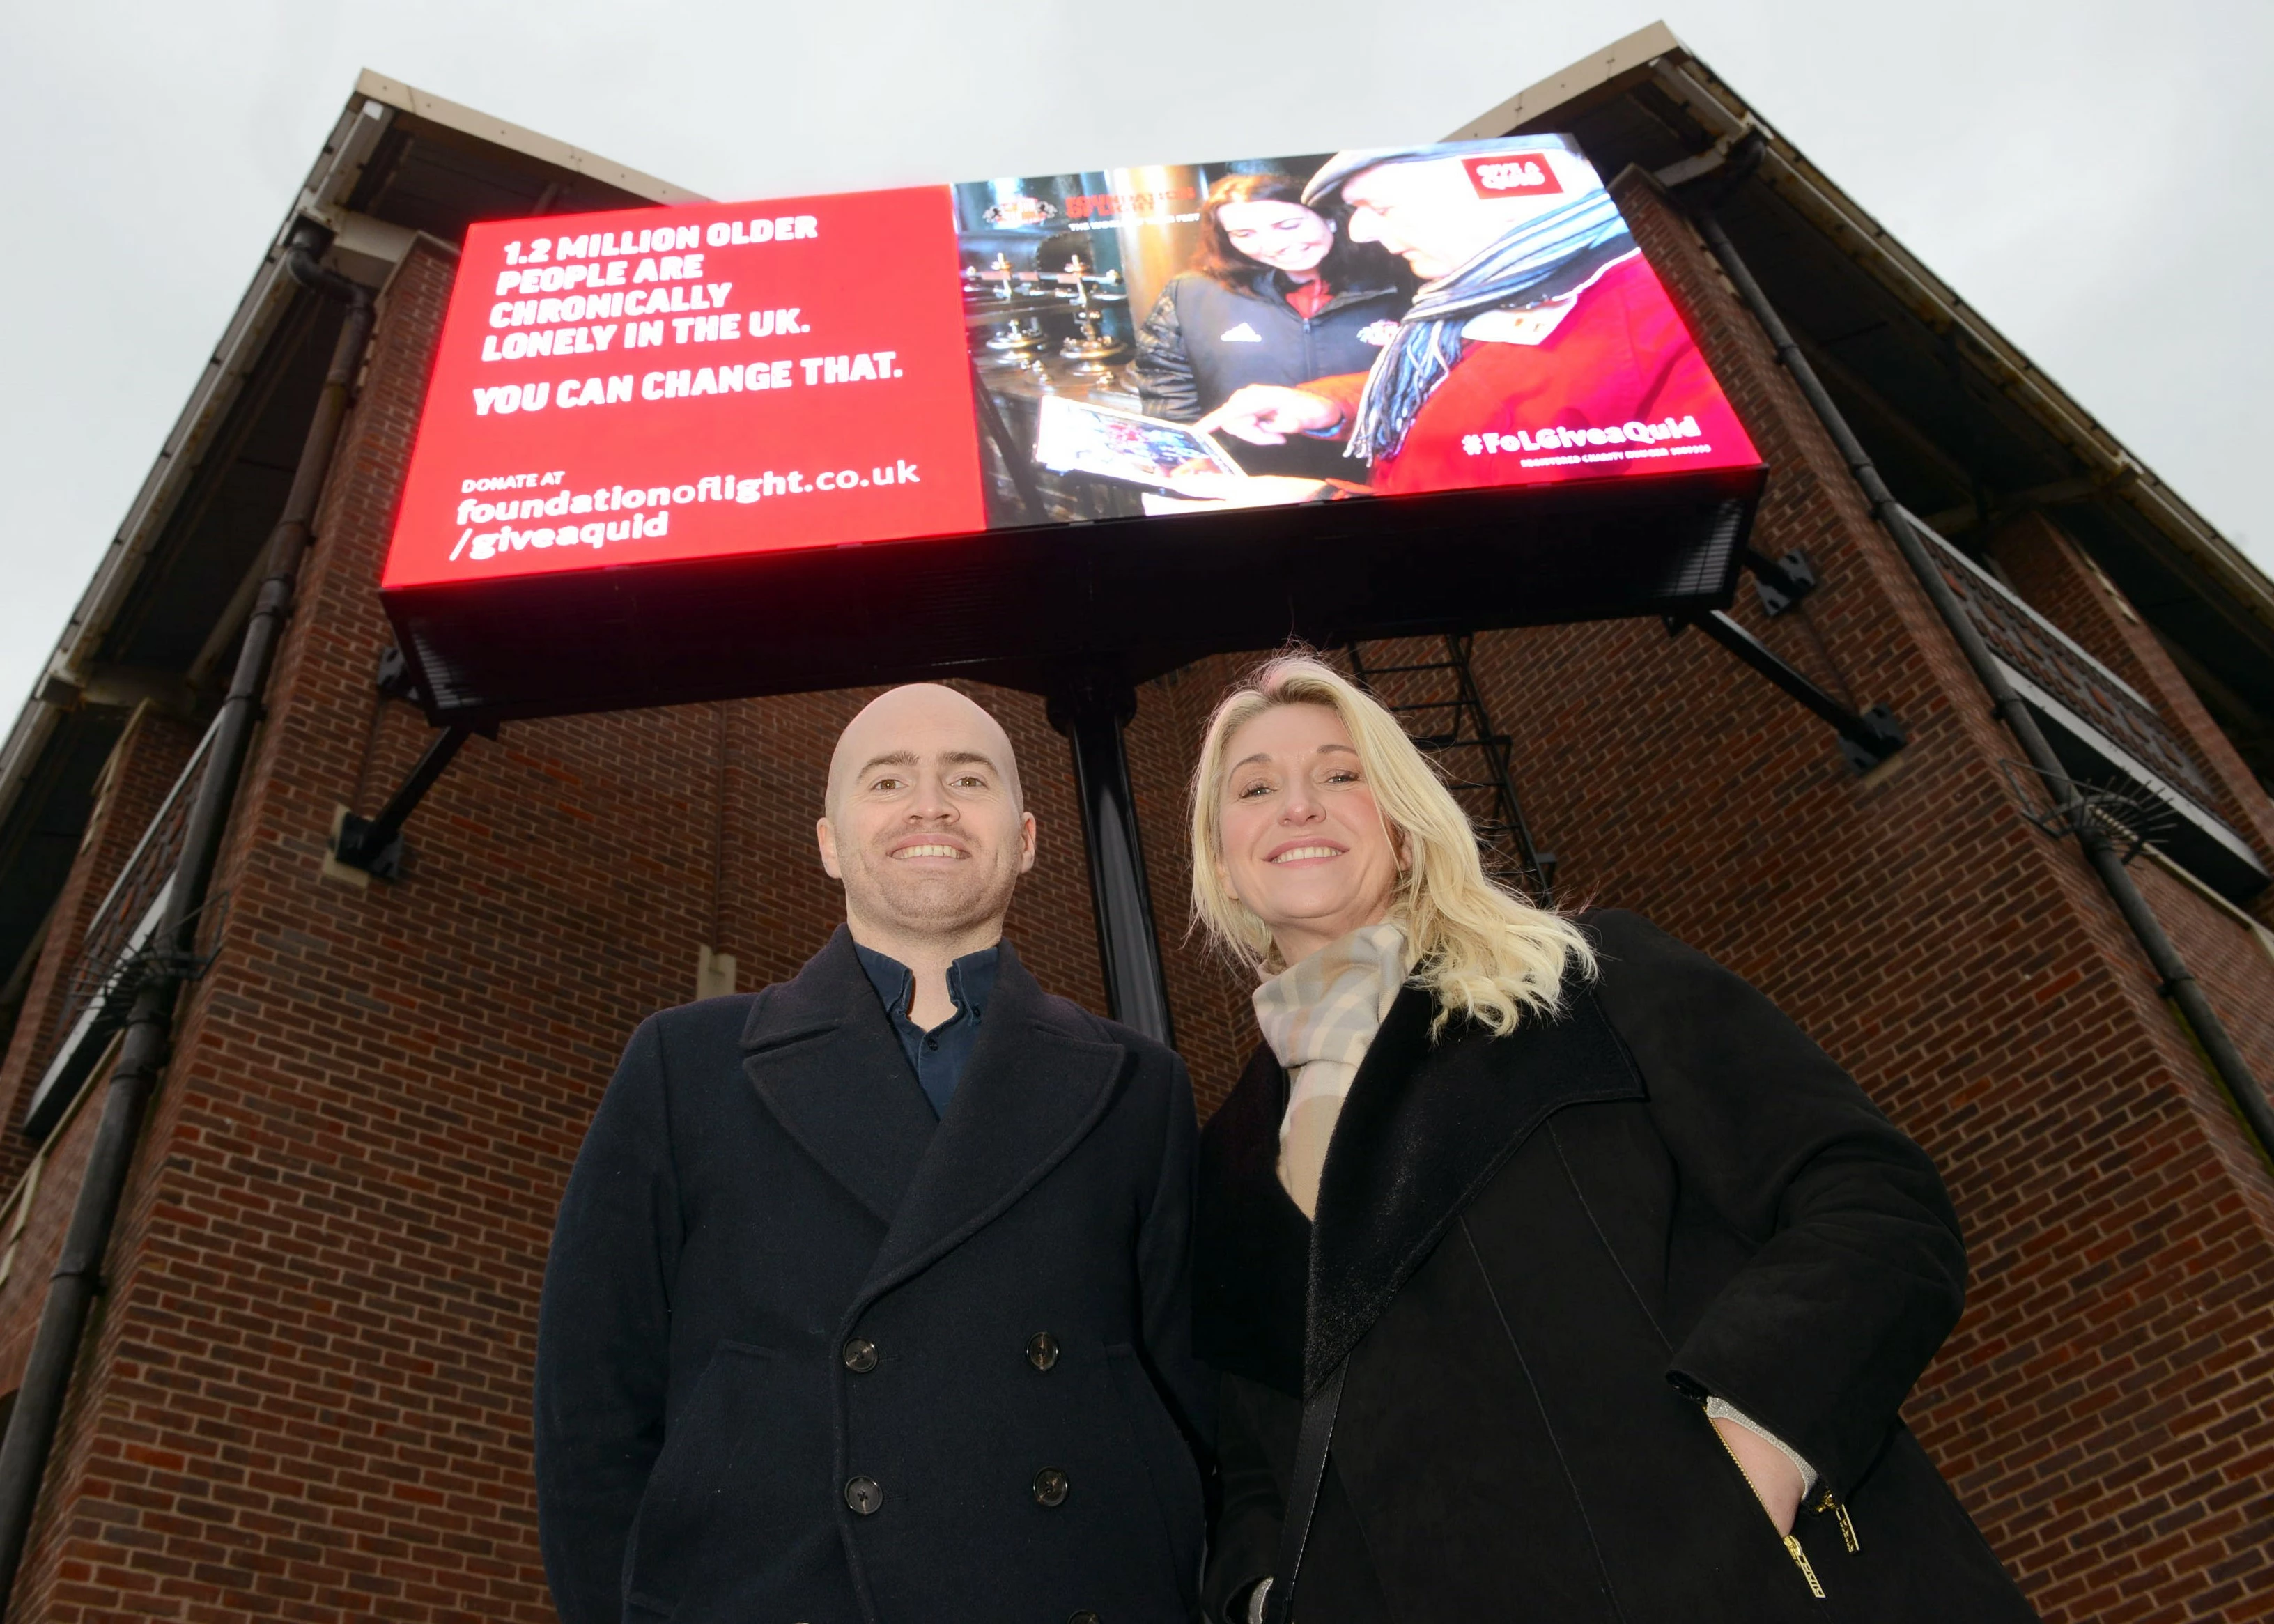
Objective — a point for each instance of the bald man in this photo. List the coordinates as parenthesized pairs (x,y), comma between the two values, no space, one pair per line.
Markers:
(868,1301)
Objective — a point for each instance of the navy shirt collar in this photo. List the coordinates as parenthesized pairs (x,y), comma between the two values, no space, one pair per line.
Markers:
(969,979)
(937,1056)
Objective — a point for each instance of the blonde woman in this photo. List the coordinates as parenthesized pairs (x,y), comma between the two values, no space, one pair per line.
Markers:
(1550,1273)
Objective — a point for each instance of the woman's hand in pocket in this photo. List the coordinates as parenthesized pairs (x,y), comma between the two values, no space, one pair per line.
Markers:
(1776,1482)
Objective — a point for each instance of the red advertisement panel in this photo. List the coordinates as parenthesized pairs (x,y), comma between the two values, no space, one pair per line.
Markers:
(672,384)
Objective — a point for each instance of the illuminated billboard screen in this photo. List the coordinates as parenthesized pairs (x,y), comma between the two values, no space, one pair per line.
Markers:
(1066,386)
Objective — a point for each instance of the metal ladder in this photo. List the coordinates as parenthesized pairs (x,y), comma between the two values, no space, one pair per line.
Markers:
(1438,703)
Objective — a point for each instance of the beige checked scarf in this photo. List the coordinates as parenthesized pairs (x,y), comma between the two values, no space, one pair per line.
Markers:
(1319,1018)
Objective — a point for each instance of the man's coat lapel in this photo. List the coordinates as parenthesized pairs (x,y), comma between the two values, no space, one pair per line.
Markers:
(1424,1129)
(823,1058)
(1030,1092)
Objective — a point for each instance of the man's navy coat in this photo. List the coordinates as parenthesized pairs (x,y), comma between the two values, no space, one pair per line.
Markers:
(810,1356)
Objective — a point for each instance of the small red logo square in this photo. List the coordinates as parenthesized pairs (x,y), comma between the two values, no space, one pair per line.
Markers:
(1513,175)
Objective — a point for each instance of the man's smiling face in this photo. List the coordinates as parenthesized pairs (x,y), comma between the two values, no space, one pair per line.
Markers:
(925,825)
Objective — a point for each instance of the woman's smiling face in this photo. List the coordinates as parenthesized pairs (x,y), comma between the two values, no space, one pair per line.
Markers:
(1287,236)
(1304,844)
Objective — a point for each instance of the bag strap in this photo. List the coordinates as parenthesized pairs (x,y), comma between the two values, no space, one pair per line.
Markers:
(1316,1431)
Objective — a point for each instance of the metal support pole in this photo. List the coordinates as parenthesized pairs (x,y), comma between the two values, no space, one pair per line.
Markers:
(149,1026)
(2176,982)
(1090,707)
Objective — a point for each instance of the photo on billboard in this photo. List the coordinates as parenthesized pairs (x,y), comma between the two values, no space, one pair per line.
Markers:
(1425,319)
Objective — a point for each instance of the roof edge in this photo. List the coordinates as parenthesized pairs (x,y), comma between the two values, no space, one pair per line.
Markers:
(470,121)
(1591,73)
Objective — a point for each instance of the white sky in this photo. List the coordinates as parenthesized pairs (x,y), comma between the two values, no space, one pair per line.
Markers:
(2087,174)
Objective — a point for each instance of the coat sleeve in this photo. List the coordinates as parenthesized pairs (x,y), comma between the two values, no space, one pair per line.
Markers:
(1858,1270)
(1165,384)
(1165,1268)
(604,1337)
(1244,1545)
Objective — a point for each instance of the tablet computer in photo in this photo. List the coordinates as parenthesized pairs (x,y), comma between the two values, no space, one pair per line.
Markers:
(1075,437)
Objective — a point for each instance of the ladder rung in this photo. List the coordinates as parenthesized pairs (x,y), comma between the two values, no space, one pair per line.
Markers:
(1499,839)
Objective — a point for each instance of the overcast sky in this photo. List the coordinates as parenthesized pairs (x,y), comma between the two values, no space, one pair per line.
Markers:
(2087,174)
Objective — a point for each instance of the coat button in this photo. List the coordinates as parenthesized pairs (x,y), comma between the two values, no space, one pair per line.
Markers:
(1041,1351)
(1084,1617)
(864,1495)
(860,1356)
(1051,1487)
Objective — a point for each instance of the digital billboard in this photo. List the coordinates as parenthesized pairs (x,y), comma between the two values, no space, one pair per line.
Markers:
(1164,353)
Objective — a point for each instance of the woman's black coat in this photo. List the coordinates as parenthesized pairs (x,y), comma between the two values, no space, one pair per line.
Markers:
(1539,1252)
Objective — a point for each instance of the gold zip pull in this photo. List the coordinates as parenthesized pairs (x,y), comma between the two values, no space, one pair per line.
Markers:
(1806,1572)
(1790,1543)
(1847,1531)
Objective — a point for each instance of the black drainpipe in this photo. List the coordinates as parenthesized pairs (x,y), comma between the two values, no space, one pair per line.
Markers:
(77,1275)
(2178,984)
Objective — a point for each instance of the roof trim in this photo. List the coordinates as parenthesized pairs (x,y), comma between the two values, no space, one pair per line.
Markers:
(1638,50)
(470,121)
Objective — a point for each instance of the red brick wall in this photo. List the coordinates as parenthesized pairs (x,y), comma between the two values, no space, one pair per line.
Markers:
(306,1394)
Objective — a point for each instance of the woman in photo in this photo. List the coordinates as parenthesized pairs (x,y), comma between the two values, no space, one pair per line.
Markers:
(1277,294)
(1550,1272)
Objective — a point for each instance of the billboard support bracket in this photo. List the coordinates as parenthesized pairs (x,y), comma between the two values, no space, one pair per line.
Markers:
(1090,704)
(375,844)
(1867,737)
(1780,582)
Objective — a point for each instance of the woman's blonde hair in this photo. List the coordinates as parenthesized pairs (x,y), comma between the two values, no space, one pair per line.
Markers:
(1481,951)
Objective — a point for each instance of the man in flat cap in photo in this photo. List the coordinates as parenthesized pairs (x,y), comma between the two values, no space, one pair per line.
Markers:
(1537,313)
(869,1298)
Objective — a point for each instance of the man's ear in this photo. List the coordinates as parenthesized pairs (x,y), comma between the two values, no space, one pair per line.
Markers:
(1026,842)
(826,838)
